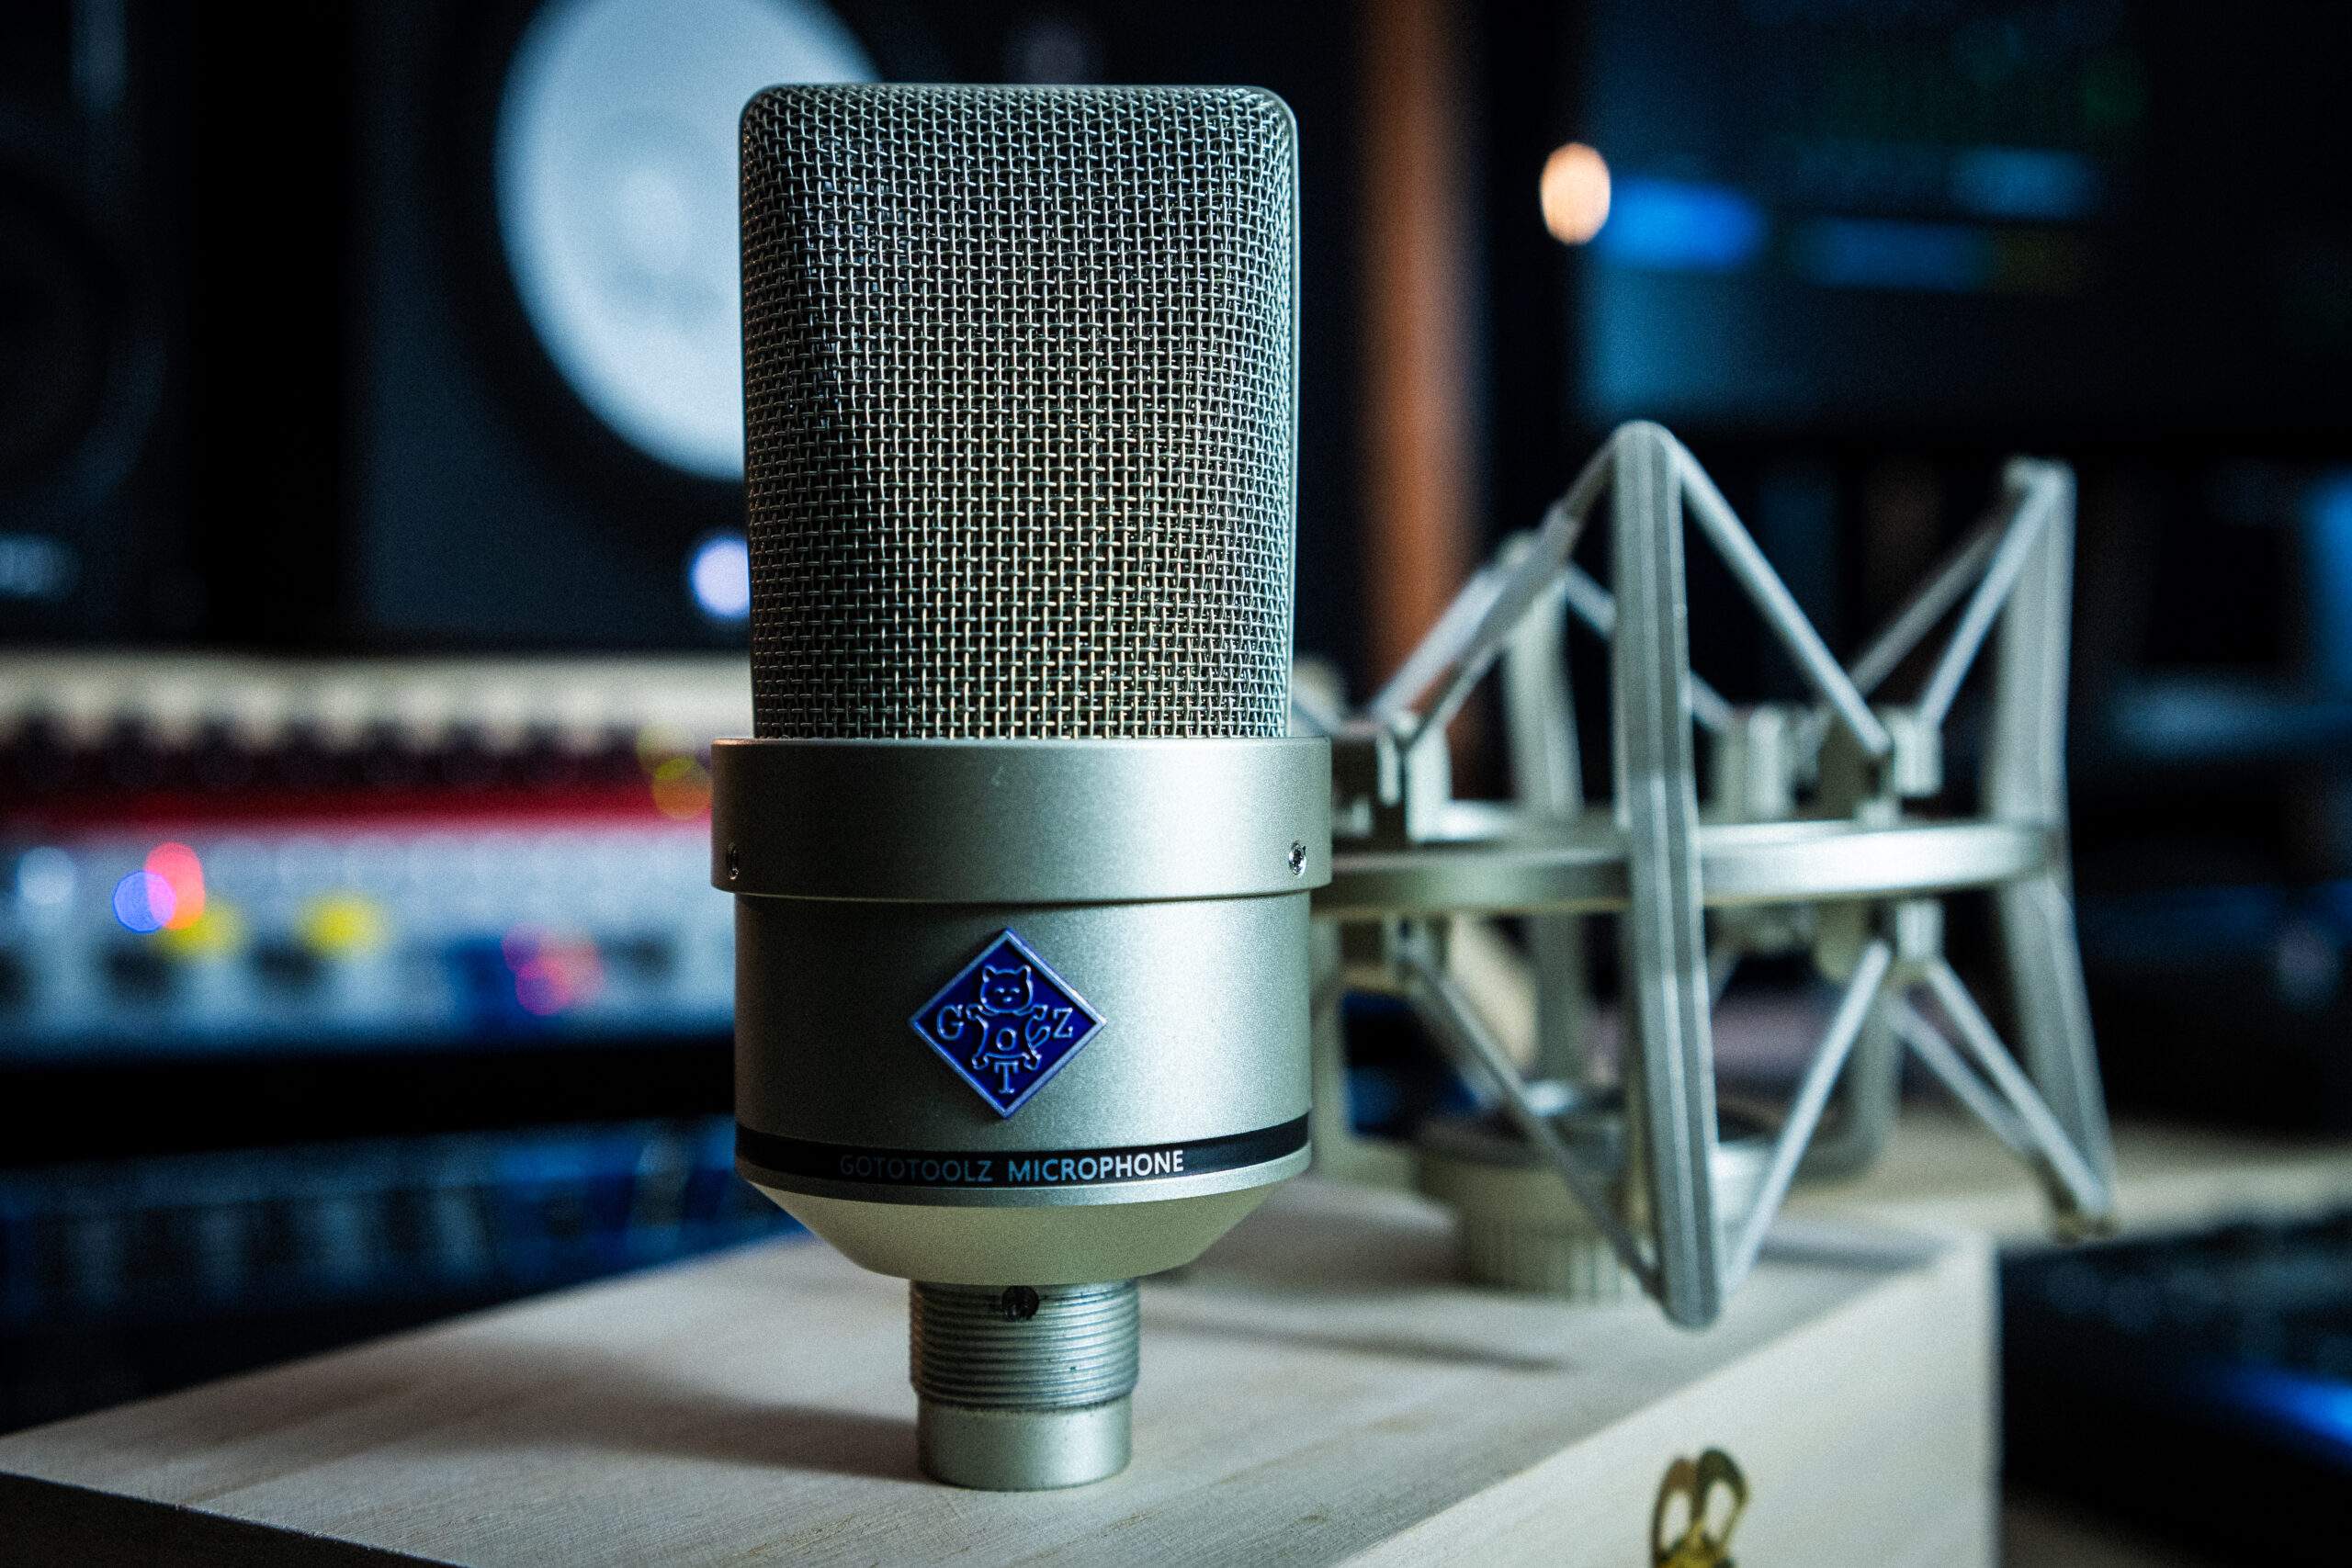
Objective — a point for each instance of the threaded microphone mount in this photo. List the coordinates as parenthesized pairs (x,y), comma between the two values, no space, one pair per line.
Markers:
(1022,1389)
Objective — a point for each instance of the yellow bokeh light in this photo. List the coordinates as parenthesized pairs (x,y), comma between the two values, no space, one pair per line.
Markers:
(681,789)
(341,925)
(217,932)
(1574,193)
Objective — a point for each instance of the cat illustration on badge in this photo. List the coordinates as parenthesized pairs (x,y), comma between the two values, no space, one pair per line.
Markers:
(1006,1023)
(1013,1026)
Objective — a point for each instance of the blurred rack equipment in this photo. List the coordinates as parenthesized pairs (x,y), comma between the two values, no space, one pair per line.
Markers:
(336,997)
(211,856)
(2200,1384)
(1966,218)
(133,1277)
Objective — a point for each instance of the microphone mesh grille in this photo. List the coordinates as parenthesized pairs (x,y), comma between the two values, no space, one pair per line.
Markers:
(1019,378)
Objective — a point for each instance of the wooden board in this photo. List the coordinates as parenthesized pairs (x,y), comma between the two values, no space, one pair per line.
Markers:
(1315,1391)
(1943,1171)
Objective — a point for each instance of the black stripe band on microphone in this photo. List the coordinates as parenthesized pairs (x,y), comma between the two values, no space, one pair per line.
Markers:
(1019,1168)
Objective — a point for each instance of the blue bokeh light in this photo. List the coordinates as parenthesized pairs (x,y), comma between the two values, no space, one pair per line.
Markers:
(1659,225)
(144,902)
(2327,574)
(2317,1410)
(720,577)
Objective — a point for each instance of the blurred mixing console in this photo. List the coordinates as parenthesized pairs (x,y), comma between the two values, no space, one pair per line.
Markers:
(127,1277)
(337,997)
(200,855)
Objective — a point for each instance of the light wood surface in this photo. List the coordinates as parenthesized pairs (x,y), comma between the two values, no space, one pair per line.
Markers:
(1943,1172)
(1315,1391)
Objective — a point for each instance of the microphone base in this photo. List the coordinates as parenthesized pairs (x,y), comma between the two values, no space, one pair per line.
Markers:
(1022,1451)
(1022,1387)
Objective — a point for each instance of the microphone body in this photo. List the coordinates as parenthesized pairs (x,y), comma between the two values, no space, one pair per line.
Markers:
(1022,848)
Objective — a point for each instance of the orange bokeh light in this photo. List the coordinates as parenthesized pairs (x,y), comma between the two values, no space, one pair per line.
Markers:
(184,874)
(681,789)
(1574,193)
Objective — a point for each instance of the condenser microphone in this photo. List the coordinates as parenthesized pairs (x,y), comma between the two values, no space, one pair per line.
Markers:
(1022,847)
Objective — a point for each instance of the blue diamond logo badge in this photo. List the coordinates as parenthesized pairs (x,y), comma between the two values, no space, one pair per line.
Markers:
(1006,1023)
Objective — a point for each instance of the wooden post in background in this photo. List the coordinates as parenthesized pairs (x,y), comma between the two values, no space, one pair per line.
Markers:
(1420,488)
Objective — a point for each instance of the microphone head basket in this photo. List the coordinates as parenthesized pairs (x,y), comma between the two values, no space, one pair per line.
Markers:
(1021,424)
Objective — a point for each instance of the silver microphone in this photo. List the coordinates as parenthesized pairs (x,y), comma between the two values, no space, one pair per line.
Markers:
(1022,849)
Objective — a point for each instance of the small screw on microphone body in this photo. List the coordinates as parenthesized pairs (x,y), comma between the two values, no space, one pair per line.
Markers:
(1298,860)
(1019,1304)
(735,864)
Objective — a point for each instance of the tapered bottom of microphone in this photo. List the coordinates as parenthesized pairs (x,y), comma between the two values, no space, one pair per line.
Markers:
(1022,1389)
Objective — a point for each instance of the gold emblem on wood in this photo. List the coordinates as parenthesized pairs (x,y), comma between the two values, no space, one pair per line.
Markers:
(1704,1539)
